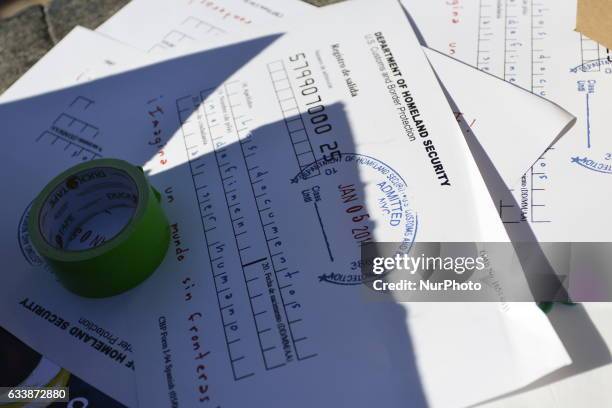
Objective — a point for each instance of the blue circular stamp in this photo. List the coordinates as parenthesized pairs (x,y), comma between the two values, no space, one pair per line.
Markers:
(23,236)
(593,66)
(593,165)
(357,200)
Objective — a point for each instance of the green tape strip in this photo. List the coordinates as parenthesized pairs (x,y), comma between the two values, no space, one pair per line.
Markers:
(100,227)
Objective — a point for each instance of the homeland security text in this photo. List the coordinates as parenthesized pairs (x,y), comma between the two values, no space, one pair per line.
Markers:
(411,118)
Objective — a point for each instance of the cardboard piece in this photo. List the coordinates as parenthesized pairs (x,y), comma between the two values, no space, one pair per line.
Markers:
(593,20)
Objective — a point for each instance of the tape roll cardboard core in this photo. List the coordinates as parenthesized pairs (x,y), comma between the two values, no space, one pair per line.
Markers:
(88,208)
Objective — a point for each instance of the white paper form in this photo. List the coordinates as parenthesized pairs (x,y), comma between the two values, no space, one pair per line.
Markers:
(533,44)
(234,368)
(163,25)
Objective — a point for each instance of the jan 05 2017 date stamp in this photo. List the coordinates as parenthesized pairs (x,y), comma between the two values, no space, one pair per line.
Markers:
(33,394)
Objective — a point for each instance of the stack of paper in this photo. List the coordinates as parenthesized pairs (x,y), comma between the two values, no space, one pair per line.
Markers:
(232,107)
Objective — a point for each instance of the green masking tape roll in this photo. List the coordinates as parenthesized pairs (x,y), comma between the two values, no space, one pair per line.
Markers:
(100,227)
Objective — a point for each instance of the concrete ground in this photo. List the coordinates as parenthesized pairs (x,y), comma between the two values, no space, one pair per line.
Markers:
(29,28)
